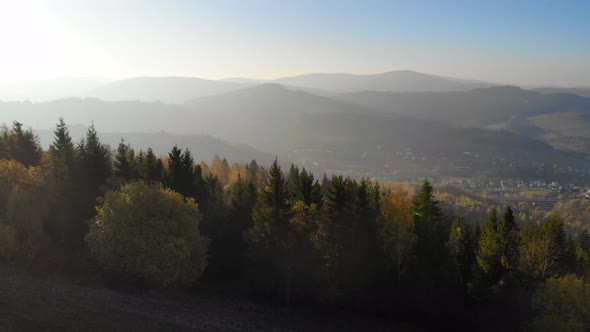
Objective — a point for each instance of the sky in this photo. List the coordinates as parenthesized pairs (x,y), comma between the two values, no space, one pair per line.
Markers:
(516,42)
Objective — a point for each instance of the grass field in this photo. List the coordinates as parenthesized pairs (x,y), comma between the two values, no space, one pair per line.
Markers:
(30,303)
(566,131)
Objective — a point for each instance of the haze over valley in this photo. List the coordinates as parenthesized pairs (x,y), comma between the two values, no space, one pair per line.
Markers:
(263,165)
(365,124)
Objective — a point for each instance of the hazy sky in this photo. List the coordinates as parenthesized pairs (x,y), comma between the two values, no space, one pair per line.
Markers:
(522,42)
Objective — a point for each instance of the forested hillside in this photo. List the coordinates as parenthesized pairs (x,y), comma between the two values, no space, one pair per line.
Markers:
(288,237)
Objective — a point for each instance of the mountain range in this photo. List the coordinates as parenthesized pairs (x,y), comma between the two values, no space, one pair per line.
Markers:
(336,122)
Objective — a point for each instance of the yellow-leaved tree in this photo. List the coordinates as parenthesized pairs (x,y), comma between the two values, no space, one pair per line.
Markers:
(150,233)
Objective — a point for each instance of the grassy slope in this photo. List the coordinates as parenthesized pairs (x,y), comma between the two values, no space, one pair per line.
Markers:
(33,304)
(565,131)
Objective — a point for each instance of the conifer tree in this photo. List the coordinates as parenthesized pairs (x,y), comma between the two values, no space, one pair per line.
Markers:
(123,163)
(154,166)
(489,254)
(62,224)
(141,166)
(430,229)
(554,228)
(94,169)
(463,247)
(269,238)
(62,152)
(179,171)
(508,237)
(23,146)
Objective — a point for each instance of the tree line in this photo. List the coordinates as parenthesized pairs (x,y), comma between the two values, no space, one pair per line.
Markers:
(283,235)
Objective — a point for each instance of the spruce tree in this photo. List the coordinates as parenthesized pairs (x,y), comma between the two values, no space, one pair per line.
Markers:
(94,167)
(123,163)
(63,224)
(62,152)
(430,229)
(269,238)
(508,237)
(154,166)
(23,146)
(463,247)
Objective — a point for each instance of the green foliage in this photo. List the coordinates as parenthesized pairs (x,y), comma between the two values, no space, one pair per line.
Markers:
(508,236)
(124,163)
(270,239)
(575,214)
(62,152)
(181,172)
(463,245)
(582,253)
(228,248)
(148,232)
(24,205)
(489,253)
(562,304)
(21,145)
(498,245)
(431,230)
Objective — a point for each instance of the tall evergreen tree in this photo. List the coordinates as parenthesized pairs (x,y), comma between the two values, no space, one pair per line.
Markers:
(269,238)
(62,152)
(123,165)
(430,229)
(24,146)
(508,237)
(154,166)
(180,171)
(489,254)
(463,247)
(63,225)
(554,228)
(94,168)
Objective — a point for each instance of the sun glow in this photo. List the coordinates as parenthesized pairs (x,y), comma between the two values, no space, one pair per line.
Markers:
(35,45)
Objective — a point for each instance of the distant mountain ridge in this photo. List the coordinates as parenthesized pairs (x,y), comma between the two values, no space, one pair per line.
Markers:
(178,89)
(394,81)
(321,132)
(173,90)
(479,107)
(202,147)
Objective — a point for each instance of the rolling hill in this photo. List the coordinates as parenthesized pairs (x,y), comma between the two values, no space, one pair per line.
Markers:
(507,108)
(175,90)
(395,81)
(299,126)
(46,90)
(203,147)
(479,107)
(584,92)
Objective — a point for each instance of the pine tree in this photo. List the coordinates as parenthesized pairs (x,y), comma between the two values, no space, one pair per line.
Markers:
(508,237)
(63,225)
(124,160)
(489,254)
(179,171)
(23,146)
(154,166)
(269,238)
(463,247)
(228,252)
(430,229)
(553,227)
(94,167)
(62,152)
(141,166)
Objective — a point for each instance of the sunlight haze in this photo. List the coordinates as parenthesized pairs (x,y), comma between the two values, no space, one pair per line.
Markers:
(271,39)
